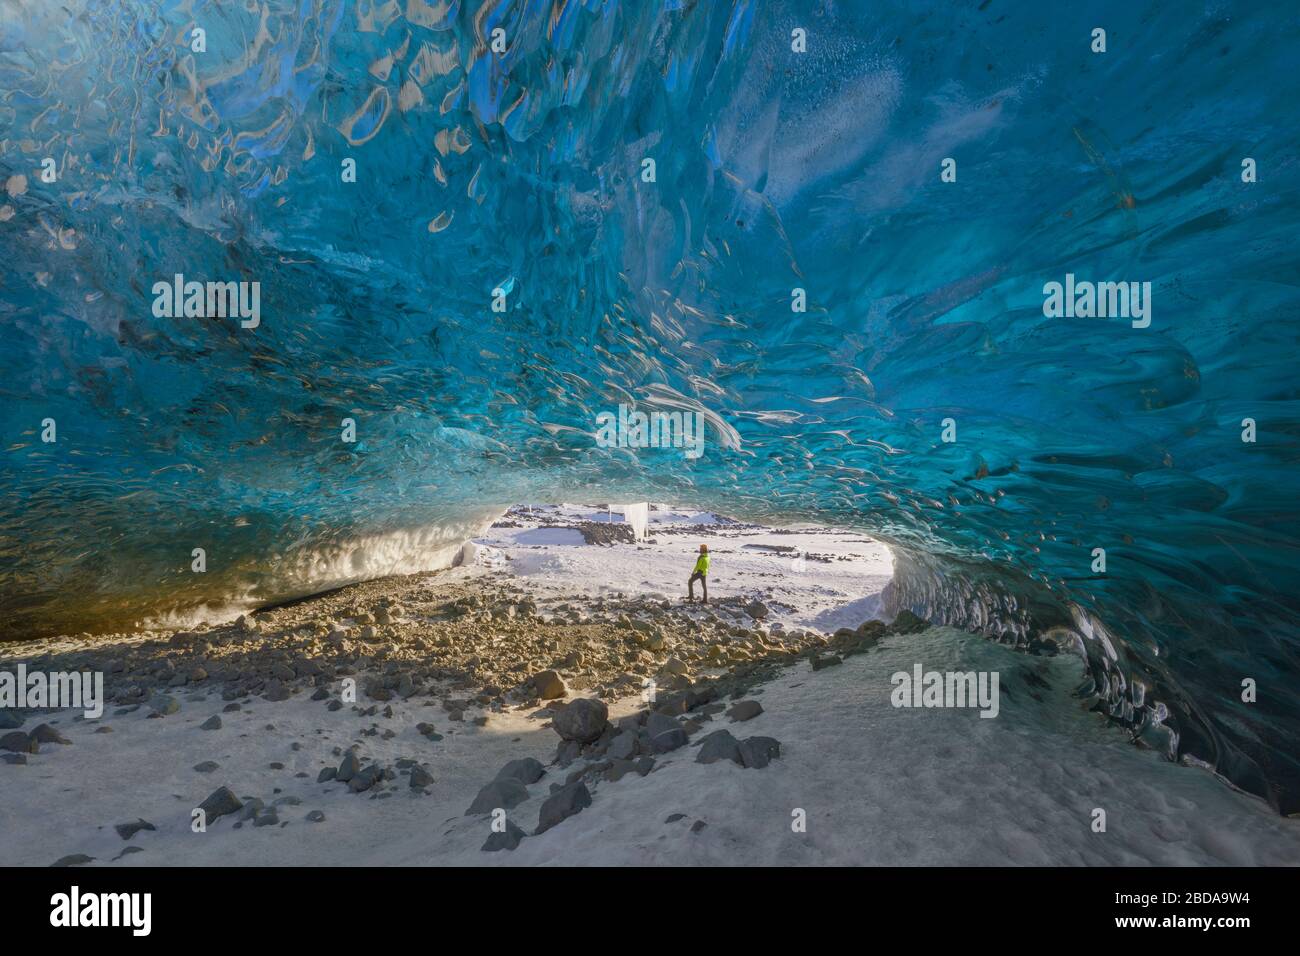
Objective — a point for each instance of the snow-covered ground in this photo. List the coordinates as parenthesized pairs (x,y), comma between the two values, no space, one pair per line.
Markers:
(869,782)
(820,578)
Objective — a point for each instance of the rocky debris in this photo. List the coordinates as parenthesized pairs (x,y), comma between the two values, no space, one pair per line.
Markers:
(605,532)
(506,839)
(757,610)
(503,794)
(757,752)
(526,770)
(674,817)
(212,723)
(19,742)
(128,830)
(74,859)
(315,816)
(582,720)
(562,804)
(745,710)
(207,766)
(549,685)
(719,745)
(697,826)
(220,802)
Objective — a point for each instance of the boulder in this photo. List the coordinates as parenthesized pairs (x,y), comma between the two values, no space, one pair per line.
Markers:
(756,752)
(745,710)
(506,839)
(719,745)
(549,685)
(583,720)
(526,770)
(563,804)
(498,795)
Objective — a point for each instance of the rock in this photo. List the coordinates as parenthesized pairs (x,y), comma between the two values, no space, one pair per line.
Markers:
(275,690)
(219,803)
(697,826)
(583,720)
(316,816)
(675,665)
(525,770)
(674,817)
(719,745)
(498,795)
(567,752)
(657,723)
(128,830)
(207,766)
(9,720)
(75,859)
(212,723)
(745,710)
(20,742)
(266,817)
(622,747)
(420,778)
(17,760)
(365,778)
(48,735)
(163,704)
(907,623)
(232,708)
(549,685)
(563,804)
(348,768)
(756,752)
(327,774)
(506,839)
(756,609)
(820,663)
(669,740)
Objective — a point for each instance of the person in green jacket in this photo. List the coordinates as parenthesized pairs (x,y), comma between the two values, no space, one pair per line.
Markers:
(701,574)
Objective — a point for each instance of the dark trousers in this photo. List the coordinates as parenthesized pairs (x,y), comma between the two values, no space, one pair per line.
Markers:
(704,583)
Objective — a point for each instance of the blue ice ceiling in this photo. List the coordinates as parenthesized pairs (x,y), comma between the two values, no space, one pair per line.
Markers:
(774,170)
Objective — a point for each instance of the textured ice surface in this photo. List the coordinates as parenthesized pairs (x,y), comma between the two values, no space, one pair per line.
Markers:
(774,170)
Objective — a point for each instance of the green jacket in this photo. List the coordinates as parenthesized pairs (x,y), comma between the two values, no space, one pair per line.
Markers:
(702,565)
